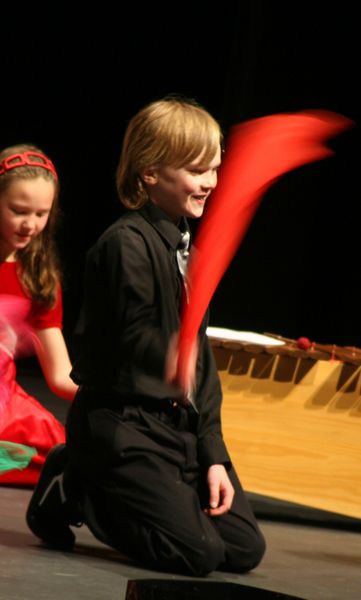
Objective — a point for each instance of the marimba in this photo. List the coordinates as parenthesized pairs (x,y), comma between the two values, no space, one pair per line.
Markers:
(292,418)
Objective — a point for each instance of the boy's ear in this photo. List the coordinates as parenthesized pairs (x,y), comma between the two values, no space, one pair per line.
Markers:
(149,175)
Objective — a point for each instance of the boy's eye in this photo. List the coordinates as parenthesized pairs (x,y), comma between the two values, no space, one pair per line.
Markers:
(200,170)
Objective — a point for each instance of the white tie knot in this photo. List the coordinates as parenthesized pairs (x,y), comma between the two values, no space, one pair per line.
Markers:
(184,241)
(183,252)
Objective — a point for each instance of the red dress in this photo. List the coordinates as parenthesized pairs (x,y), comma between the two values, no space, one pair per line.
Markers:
(23,419)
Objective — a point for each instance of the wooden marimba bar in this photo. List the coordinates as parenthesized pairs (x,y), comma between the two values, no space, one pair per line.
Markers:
(292,418)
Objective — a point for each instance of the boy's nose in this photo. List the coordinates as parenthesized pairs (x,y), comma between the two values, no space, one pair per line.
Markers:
(210,180)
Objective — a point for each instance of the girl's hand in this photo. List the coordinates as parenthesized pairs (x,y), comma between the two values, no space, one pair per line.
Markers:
(55,362)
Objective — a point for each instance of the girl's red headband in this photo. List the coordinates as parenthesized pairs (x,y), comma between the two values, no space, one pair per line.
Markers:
(30,158)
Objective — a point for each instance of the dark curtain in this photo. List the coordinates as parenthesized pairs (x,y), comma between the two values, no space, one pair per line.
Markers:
(71,82)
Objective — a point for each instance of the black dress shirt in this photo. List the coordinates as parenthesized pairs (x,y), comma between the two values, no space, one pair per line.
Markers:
(131,309)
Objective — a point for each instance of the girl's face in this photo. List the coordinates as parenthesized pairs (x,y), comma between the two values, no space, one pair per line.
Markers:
(182,192)
(24,211)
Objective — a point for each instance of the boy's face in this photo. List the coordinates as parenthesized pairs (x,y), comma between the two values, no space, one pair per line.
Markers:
(182,192)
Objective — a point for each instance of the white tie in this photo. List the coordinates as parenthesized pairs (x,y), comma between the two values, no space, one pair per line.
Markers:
(183,253)
(182,260)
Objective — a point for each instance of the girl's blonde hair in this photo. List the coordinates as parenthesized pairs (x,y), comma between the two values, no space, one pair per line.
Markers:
(172,132)
(38,263)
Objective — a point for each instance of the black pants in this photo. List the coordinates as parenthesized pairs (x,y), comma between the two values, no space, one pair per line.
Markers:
(145,492)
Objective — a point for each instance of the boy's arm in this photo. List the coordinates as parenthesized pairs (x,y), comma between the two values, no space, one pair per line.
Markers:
(213,455)
(135,303)
(211,446)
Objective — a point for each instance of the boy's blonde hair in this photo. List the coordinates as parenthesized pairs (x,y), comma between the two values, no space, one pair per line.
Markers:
(169,132)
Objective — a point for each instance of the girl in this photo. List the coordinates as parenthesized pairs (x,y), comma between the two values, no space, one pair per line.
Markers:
(157,480)
(29,280)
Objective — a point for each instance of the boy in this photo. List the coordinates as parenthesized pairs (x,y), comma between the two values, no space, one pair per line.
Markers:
(153,476)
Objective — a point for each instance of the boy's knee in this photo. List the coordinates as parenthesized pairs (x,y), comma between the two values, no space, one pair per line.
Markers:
(258,551)
(207,556)
(242,559)
(197,556)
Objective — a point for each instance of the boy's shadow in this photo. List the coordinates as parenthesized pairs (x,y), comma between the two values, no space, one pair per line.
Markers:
(21,540)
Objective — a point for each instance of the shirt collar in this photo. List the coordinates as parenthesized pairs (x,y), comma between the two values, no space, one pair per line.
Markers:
(163,224)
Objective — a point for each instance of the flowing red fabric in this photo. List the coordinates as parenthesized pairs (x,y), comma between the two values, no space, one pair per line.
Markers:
(25,421)
(258,152)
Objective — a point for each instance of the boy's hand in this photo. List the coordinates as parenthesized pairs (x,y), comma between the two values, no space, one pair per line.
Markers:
(221,491)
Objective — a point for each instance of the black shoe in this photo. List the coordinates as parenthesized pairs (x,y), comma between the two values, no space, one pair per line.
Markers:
(46,515)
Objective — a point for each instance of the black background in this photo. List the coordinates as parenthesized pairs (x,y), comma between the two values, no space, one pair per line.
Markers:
(71,81)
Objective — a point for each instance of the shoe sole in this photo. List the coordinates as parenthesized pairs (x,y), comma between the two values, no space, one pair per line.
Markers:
(43,488)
